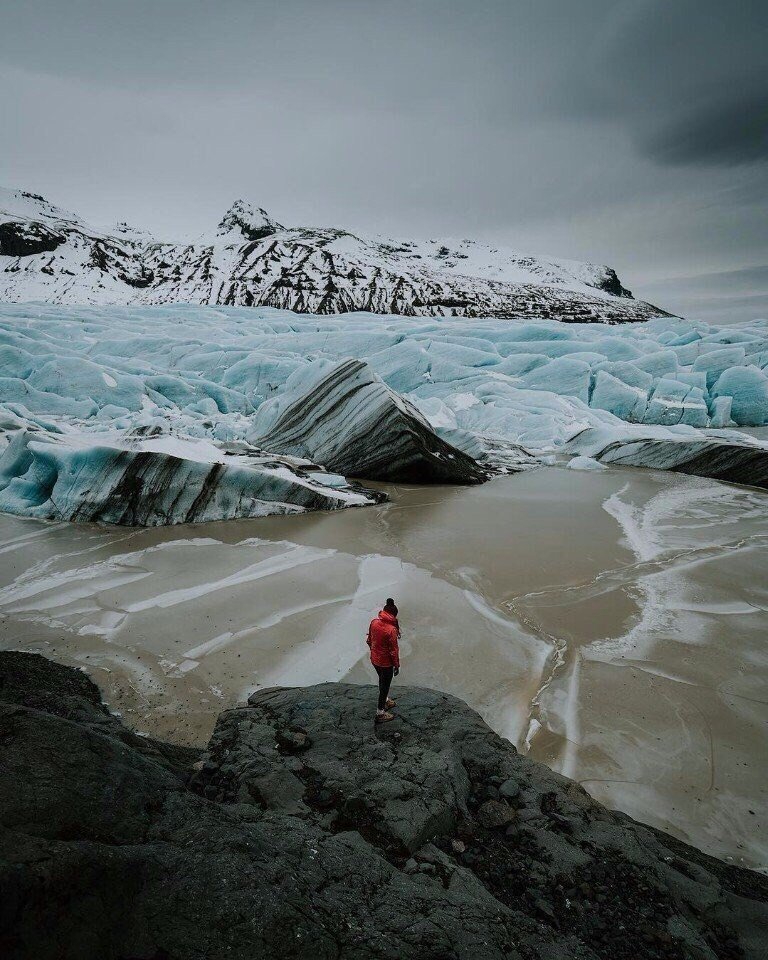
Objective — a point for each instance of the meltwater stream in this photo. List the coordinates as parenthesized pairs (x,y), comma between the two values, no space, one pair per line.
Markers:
(611,624)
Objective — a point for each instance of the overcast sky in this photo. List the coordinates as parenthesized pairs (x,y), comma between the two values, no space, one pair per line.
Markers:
(628,132)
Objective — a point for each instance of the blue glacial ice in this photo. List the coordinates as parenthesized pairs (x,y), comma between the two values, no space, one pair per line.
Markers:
(86,379)
(155,481)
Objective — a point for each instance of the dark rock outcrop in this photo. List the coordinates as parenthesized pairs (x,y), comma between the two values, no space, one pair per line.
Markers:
(352,423)
(305,831)
(611,284)
(243,221)
(25,239)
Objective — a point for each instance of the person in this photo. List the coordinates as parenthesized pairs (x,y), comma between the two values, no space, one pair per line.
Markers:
(383,634)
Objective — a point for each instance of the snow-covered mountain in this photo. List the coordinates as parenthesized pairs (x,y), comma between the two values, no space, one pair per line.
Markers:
(249,259)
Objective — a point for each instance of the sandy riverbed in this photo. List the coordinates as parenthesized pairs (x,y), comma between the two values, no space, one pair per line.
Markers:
(612,624)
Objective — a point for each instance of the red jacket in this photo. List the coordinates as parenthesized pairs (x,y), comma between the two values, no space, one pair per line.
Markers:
(382,639)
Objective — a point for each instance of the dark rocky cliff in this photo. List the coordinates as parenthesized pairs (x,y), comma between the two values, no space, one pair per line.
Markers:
(304,831)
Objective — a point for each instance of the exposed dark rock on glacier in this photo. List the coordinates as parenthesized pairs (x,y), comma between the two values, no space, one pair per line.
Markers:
(351,422)
(66,477)
(251,260)
(305,831)
(720,459)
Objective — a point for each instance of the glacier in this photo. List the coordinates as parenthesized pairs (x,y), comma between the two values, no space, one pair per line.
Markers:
(136,481)
(93,396)
(349,420)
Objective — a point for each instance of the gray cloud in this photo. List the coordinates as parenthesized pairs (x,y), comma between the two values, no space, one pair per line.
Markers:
(738,294)
(721,133)
(598,130)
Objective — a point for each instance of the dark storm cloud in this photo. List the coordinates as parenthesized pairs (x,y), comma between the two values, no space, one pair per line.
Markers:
(655,56)
(725,134)
(688,78)
(628,132)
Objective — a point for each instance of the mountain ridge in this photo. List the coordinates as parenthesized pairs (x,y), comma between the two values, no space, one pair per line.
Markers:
(250,259)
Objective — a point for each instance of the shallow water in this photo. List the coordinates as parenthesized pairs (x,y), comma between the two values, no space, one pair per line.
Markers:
(612,624)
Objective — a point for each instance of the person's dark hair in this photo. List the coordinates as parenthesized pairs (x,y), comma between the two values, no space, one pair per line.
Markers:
(390,607)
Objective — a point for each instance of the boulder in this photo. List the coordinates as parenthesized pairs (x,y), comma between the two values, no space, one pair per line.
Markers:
(495,813)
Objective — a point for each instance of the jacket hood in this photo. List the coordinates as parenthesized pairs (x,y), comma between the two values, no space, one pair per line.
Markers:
(387,617)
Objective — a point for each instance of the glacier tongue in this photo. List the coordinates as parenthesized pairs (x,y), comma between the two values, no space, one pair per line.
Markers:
(351,422)
(721,457)
(424,399)
(156,481)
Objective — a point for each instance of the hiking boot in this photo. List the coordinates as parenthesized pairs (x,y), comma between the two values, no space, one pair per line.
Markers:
(382,716)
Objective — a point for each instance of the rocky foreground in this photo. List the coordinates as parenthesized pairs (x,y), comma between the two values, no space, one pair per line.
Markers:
(304,831)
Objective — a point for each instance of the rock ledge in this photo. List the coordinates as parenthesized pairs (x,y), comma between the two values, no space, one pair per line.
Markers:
(304,831)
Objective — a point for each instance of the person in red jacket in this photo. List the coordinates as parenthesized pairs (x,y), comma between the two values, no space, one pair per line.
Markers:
(383,634)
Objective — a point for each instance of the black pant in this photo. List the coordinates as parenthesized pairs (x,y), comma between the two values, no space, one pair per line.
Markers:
(385,679)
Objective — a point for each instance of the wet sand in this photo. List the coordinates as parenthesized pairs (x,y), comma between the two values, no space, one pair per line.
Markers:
(611,624)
